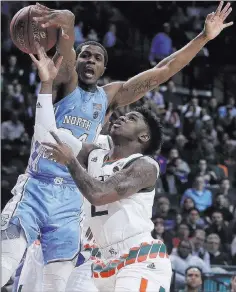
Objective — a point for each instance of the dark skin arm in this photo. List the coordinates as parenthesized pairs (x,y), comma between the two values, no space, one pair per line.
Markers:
(64,19)
(139,175)
(124,93)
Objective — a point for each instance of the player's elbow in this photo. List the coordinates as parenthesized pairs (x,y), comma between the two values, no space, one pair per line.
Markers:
(97,199)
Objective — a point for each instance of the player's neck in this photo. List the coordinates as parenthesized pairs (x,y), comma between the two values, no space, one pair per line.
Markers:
(88,87)
(120,151)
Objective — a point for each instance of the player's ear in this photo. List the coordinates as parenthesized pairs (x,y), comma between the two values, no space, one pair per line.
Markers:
(104,69)
(144,137)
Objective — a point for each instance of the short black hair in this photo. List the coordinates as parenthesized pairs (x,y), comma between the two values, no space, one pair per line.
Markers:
(155,128)
(92,43)
(194,267)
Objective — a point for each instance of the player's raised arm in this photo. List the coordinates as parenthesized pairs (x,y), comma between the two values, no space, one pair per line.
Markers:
(139,175)
(45,120)
(123,93)
(64,20)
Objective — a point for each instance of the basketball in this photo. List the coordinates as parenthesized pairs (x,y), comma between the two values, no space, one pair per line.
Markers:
(25,31)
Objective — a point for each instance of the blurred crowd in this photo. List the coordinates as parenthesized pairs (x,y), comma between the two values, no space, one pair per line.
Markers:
(195,205)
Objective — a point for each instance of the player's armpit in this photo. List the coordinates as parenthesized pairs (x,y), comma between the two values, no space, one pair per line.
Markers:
(139,175)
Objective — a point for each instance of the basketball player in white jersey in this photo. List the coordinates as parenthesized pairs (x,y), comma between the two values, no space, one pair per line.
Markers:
(120,185)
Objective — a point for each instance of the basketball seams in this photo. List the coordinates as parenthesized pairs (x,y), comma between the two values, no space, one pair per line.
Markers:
(28,26)
(13,26)
(24,31)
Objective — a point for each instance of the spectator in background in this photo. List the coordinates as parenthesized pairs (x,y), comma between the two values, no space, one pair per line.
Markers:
(198,241)
(233,284)
(218,226)
(200,195)
(172,119)
(163,211)
(182,259)
(223,110)
(12,129)
(213,247)
(188,204)
(182,233)
(194,221)
(213,108)
(192,109)
(219,204)
(92,35)
(161,46)
(109,40)
(12,71)
(193,279)
(79,37)
(159,232)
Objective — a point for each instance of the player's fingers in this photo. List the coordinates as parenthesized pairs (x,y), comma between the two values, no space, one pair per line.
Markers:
(210,16)
(64,34)
(42,52)
(48,144)
(58,62)
(37,47)
(43,6)
(225,10)
(218,10)
(44,18)
(33,58)
(56,137)
(227,13)
(228,24)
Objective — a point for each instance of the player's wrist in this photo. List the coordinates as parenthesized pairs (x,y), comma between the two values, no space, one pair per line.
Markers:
(46,87)
(204,36)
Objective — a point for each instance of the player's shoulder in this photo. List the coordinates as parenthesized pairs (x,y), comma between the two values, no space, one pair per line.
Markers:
(149,163)
(144,166)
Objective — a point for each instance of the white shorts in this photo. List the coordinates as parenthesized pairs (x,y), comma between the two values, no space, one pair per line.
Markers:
(144,269)
(81,279)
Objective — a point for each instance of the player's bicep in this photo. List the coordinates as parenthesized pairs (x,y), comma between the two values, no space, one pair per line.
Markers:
(127,182)
(136,87)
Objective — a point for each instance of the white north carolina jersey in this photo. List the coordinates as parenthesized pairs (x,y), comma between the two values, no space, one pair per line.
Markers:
(128,218)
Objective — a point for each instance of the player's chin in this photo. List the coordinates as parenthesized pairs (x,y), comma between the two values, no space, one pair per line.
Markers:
(89,80)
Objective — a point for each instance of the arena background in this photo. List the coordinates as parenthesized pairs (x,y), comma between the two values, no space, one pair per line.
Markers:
(197,108)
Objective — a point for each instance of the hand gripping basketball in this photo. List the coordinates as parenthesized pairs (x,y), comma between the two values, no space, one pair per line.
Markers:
(58,18)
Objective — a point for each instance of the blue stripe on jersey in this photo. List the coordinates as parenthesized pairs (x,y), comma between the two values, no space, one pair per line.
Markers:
(82,113)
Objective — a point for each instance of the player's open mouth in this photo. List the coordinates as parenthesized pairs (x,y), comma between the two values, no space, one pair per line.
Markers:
(117,124)
(89,72)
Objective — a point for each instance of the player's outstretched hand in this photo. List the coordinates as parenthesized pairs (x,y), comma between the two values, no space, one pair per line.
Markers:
(51,17)
(214,23)
(47,69)
(60,152)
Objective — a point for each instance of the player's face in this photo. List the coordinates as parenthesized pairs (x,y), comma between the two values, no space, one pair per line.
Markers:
(90,64)
(131,126)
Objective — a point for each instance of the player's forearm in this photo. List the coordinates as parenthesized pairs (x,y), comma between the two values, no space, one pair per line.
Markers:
(182,57)
(65,45)
(91,188)
(44,117)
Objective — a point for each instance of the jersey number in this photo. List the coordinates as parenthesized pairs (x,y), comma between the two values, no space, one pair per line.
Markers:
(95,213)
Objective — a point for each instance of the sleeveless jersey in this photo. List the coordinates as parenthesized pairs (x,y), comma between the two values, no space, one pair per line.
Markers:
(105,142)
(82,113)
(127,218)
